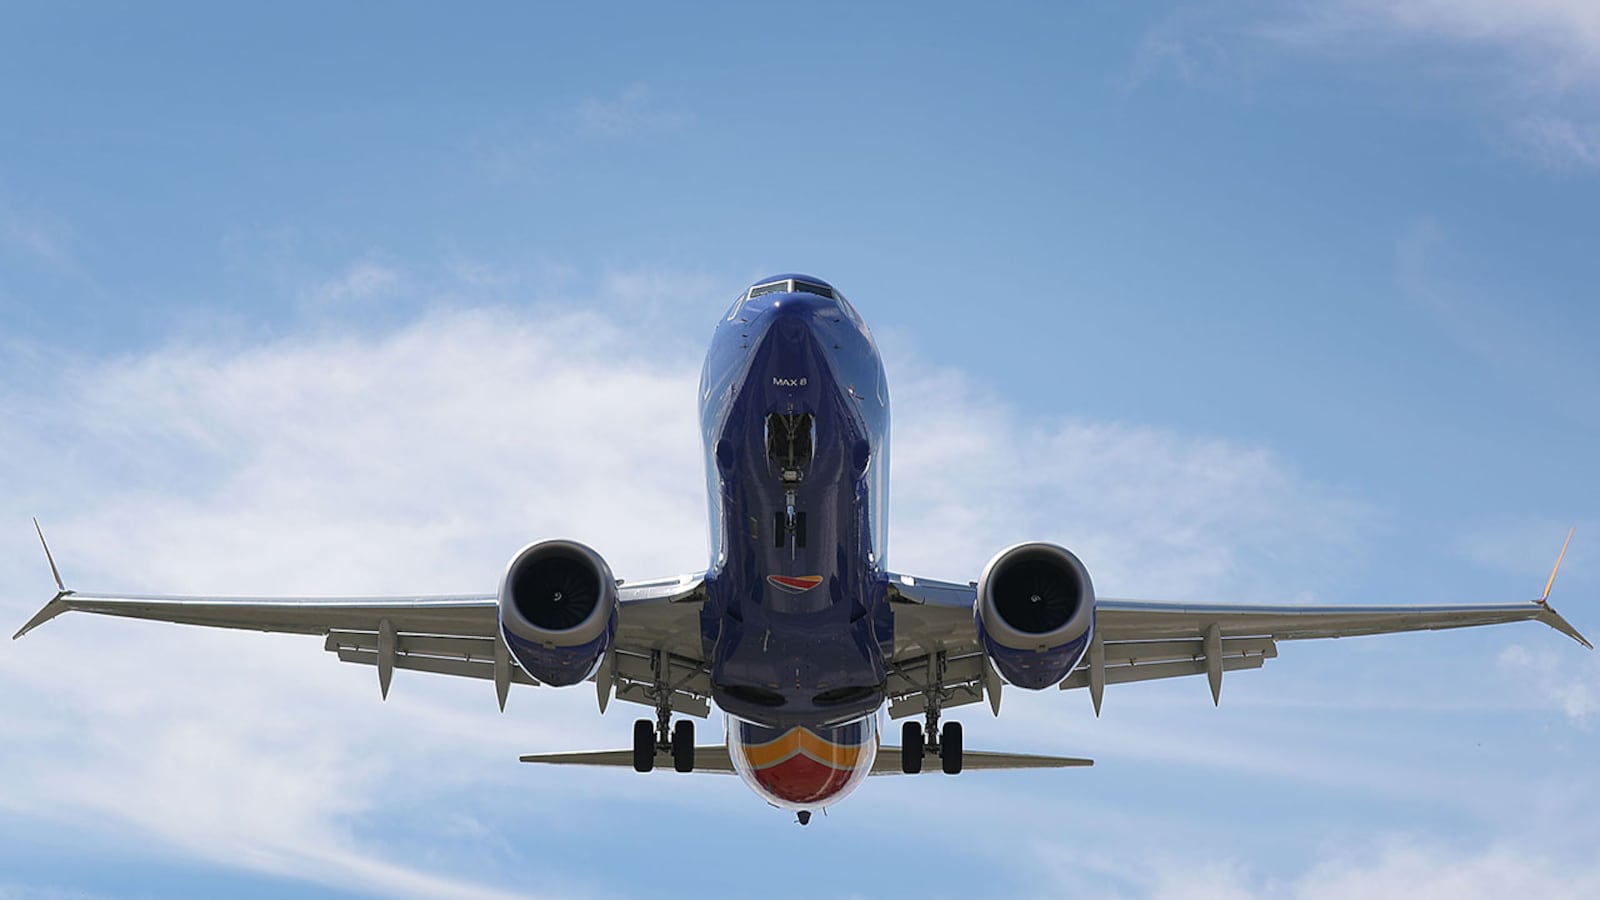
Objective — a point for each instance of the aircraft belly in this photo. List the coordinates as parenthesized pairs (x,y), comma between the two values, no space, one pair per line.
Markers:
(789,625)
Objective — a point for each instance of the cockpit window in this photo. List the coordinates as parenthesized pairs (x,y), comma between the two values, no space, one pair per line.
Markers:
(776,287)
(806,287)
(791,286)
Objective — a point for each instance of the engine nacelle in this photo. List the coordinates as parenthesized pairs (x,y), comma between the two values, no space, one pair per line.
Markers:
(1035,613)
(558,610)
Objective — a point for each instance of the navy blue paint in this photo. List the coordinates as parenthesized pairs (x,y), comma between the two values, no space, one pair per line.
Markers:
(796,353)
(560,666)
(1035,669)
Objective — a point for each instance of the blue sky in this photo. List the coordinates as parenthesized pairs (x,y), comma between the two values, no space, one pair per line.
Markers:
(1245,301)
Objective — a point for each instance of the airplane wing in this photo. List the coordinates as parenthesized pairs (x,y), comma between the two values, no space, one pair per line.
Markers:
(448,635)
(1140,640)
(715,758)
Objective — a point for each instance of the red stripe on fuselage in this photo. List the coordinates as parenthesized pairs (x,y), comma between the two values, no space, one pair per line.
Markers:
(795,585)
(801,779)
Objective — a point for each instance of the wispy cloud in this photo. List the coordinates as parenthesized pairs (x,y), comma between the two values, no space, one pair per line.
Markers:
(1548,46)
(359,283)
(1571,685)
(1389,866)
(1537,62)
(1557,142)
(1532,67)
(1153,512)
(41,238)
(635,111)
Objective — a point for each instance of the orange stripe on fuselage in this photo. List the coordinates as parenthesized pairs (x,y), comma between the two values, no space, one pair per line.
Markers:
(803,741)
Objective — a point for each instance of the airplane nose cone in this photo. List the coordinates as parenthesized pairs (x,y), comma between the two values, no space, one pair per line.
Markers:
(796,317)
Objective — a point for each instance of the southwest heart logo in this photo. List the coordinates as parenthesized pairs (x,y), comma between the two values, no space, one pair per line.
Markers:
(794,585)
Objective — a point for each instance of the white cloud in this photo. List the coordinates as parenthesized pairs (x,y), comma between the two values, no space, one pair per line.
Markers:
(1557,142)
(1153,513)
(1531,67)
(1539,59)
(1401,868)
(1391,866)
(1571,685)
(361,281)
(1553,45)
(633,112)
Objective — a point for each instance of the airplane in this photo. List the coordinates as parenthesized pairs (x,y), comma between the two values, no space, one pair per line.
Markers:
(797,629)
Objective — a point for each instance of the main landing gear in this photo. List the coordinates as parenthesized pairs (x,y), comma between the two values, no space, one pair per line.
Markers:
(663,735)
(647,743)
(914,747)
(915,743)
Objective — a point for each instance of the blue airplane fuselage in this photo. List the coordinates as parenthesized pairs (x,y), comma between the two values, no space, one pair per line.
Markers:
(794,411)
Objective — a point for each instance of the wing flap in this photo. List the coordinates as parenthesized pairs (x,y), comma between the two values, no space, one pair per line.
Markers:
(1125,674)
(437,665)
(1146,620)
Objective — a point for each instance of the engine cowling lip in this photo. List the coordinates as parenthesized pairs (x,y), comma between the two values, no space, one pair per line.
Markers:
(1002,632)
(597,623)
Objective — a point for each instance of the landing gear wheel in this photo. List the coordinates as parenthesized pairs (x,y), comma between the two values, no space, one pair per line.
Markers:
(683,746)
(950,748)
(644,745)
(911,748)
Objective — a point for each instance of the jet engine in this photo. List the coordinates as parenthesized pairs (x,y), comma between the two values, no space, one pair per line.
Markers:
(1035,613)
(558,610)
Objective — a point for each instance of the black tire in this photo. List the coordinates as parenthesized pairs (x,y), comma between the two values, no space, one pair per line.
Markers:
(683,746)
(644,745)
(911,748)
(950,748)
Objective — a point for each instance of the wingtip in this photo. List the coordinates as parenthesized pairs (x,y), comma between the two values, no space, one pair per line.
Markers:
(55,607)
(1558,622)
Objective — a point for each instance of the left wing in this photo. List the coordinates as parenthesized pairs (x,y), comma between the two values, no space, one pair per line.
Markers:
(937,648)
(449,635)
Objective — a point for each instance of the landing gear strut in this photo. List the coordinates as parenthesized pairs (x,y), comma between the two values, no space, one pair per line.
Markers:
(662,736)
(915,743)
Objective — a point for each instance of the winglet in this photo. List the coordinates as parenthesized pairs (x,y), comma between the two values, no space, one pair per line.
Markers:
(57,572)
(1548,615)
(1544,599)
(57,604)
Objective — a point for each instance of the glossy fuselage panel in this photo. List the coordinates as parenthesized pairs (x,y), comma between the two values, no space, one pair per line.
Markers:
(803,767)
(796,631)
